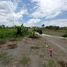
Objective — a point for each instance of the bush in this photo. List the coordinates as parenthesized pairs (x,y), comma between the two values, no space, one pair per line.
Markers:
(52,27)
(21,31)
(65,35)
(39,31)
(34,36)
(18,30)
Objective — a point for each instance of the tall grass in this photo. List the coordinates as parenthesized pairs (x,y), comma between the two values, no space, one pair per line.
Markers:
(5,59)
(14,32)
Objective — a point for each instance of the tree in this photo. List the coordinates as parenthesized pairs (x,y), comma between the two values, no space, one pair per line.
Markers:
(43,25)
(3,26)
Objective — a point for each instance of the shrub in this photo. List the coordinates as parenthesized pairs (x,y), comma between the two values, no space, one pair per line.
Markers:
(18,30)
(65,35)
(33,35)
(22,31)
(39,31)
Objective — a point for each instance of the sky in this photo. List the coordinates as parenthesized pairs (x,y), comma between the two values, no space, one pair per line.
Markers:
(33,12)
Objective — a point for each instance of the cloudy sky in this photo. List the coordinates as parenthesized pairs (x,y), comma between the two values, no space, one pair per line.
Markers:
(33,12)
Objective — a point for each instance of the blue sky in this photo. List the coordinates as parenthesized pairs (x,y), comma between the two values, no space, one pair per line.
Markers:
(33,12)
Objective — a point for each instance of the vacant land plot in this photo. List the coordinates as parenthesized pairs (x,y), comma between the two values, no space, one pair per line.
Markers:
(34,53)
(55,32)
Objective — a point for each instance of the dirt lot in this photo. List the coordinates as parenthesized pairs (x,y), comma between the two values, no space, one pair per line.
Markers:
(35,52)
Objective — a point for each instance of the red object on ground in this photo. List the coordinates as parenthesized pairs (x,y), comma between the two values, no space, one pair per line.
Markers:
(50,52)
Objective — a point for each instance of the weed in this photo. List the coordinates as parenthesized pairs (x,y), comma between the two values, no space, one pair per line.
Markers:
(5,59)
(35,47)
(52,63)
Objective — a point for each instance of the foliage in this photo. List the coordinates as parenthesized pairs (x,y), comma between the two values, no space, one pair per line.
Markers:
(22,31)
(65,35)
(39,30)
(52,63)
(53,27)
(43,25)
(33,35)
(13,32)
(18,30)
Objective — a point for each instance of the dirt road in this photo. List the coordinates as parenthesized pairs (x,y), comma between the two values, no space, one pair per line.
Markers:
(60,42)
(40,54)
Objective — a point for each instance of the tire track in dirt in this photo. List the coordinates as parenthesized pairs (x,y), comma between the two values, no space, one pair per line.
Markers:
(35,61)
(55,41)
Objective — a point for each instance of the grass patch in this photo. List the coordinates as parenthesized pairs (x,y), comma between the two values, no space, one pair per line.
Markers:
(35,47)
(5,59)
(13,39)
(25,60)
(51,63)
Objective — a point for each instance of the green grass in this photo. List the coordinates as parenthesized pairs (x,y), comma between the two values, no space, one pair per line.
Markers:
(7,33)
(11,33)
(51,63)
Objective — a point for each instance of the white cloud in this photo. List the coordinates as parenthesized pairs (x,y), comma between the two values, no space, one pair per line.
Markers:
(8,16)
(20,13)
(44,8)
(49,8)
(57,22)
(31,22)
